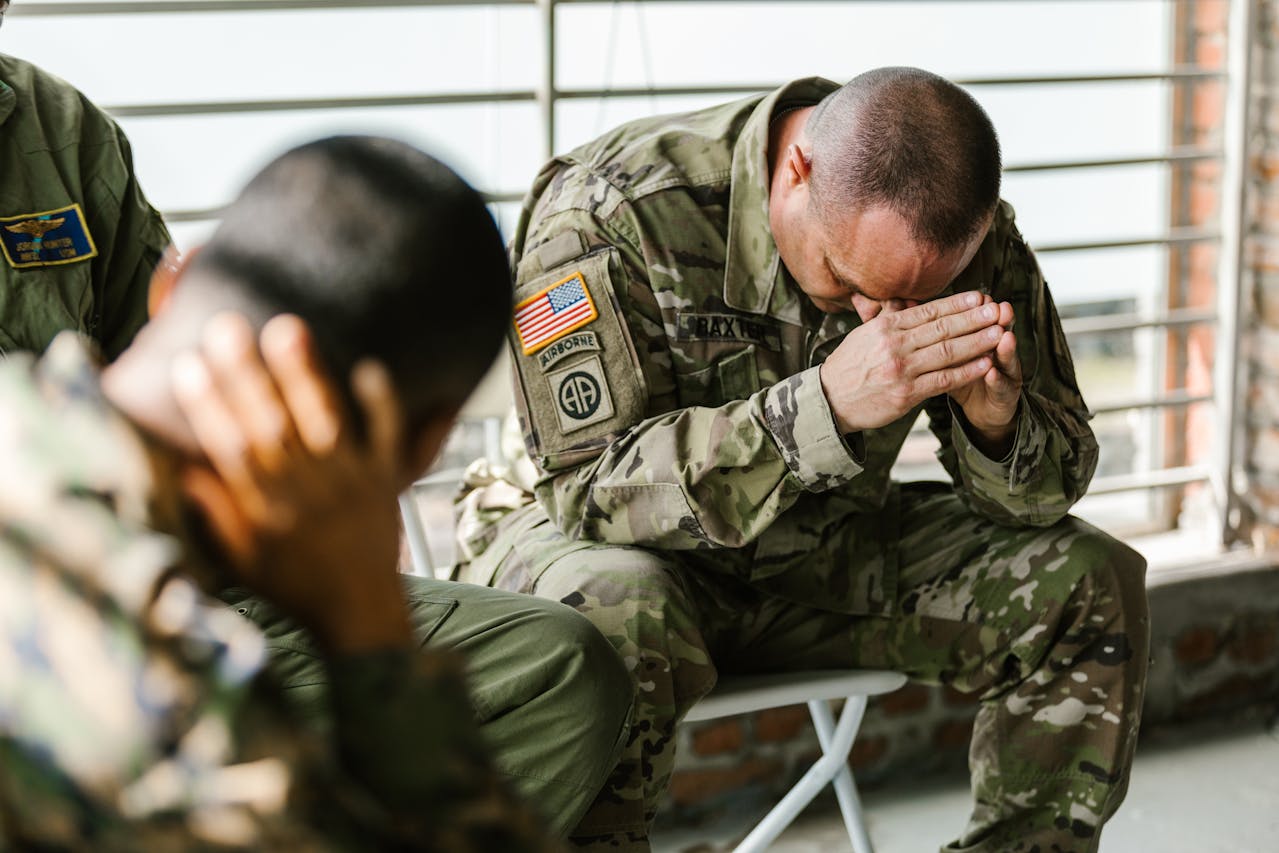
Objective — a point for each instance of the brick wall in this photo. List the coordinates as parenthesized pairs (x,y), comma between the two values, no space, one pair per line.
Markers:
(1215,640)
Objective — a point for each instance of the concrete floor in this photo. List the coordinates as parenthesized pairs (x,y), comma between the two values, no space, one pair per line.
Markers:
(1194,789)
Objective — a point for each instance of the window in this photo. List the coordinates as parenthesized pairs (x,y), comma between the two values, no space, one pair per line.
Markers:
(1111,116)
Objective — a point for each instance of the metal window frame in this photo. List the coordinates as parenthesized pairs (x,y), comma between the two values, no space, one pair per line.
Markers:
(1227,315)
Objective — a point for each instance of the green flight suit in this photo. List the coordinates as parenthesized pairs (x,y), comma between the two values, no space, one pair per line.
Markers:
(695,500)
(65,162)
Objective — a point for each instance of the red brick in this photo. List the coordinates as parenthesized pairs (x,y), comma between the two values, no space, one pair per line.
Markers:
(689,787)
(1205,197)
(953,734)
(718,738)
(1211,16)
(1209,106)
(780,724)
(1196,646)
(1210,52)
(867,751)
(908,700)
(1233,692)
(1254,644)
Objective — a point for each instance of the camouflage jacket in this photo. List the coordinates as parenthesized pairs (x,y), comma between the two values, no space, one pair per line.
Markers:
(78,239)
(667,365)
(134,712)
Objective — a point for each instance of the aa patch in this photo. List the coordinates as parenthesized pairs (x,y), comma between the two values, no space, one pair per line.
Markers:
(552,313)
(580,394)
(46,239)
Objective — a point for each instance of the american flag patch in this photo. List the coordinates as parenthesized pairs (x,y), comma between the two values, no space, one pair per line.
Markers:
(553,313)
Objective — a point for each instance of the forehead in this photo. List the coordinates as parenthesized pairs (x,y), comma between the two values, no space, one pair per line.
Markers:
(874,252)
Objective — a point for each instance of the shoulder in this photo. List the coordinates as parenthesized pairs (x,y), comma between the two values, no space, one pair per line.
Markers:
(50,112)
(689,150)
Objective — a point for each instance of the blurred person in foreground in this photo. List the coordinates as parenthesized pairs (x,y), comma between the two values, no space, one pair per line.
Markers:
(78,239)
(727,323)
(139,713)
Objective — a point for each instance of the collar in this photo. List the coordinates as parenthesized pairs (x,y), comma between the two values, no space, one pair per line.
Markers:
(752,267)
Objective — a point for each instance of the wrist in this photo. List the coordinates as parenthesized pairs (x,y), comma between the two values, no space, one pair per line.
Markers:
(366,623)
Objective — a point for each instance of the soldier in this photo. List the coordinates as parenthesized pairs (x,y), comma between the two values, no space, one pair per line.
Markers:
(79,239)
(726,323)
(135,712)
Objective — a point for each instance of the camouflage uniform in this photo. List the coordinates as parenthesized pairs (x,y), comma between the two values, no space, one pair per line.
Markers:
(695,500)
(134,712)
(67,165)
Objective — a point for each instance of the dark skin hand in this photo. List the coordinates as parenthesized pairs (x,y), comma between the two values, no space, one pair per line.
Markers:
(305,512)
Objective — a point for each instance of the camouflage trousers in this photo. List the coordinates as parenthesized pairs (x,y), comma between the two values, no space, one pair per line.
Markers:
(1048,625)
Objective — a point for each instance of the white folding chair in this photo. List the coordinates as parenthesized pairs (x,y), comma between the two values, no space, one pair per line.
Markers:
(818,689)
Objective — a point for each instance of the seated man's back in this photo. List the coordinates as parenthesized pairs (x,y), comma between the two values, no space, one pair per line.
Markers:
(134,710)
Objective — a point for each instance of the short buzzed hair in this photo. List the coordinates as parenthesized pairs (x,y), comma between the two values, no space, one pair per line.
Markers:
(384,251)
(910,140)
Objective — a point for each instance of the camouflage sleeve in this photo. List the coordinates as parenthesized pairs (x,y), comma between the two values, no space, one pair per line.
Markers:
(127,256)
(649,470)
(407,736)
(1054,453)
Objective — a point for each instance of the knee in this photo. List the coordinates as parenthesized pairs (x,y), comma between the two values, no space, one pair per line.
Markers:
(588,673)
(1114,576)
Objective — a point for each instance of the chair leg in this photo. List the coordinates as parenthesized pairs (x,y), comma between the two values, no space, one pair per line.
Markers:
(845,790)
(834,759)
(415,533)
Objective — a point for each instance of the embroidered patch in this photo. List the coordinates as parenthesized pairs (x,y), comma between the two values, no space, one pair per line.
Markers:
(574,343)
(581,395)
(46,239)
(552,313)
(727,327)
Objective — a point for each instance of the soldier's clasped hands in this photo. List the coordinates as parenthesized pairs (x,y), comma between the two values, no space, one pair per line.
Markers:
(961,345)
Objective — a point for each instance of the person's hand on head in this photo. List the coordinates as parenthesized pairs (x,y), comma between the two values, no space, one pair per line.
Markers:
(304,511)
(906,353)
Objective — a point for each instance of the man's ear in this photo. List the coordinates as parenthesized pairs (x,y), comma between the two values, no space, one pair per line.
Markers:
(799,164)
(425,445)
(165,277)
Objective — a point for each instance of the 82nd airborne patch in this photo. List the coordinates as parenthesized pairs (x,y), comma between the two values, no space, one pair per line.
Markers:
(46,239)
(580,394)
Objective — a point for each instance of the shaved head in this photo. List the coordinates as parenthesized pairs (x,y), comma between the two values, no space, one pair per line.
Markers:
(913,142)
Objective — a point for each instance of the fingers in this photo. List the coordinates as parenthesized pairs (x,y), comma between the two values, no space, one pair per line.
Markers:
(951,326)
(313,403)
(216,429)
(1006,378)
(249,392)
(383,415)
(955,351)
(938,308)
(948,379)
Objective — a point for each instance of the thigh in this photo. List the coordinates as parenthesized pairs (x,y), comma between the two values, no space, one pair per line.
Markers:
(971,596)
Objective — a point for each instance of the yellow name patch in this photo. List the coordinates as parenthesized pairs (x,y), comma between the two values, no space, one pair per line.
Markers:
(46,239)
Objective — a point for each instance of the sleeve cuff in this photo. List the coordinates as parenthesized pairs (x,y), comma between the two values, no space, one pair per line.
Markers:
(799,417)
(986,474)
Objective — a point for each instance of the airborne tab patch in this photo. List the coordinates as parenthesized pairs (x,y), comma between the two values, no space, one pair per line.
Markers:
(550,314)
(46,239)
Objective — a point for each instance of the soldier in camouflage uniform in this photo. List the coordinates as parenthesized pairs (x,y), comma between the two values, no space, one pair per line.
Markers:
(137,712)
(727,321)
